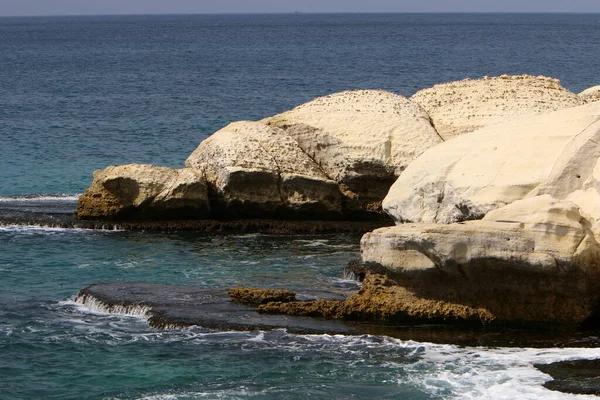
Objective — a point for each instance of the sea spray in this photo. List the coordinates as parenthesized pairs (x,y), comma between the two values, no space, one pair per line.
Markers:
(98,306)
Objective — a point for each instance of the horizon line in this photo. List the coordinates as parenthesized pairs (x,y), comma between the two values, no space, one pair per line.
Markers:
(304,13)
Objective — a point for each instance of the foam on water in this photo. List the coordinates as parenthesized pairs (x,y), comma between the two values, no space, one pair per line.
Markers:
(93,305)
(323,243)
(441,371)
(39,198)
(488,373)
(49,229)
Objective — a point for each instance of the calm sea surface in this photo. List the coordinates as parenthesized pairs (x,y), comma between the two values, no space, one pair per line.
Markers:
(82,93)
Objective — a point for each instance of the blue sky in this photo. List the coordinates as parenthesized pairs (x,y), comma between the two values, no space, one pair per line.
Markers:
(75,7)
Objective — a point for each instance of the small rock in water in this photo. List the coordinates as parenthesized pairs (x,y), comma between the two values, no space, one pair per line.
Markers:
(578,377)
(260,296)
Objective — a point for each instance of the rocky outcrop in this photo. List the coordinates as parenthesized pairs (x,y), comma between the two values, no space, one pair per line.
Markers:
(148,192)
(335,158)
(260,296)
(460,107)
(535,261)
(254,170)
(591,94)
(465,178)
(361,139)
(179,306)
(382,300)
(332,158)
(502,221)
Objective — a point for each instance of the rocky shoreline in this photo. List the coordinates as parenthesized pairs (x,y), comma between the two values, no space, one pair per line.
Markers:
(243,226)
(493,185)
(495,196)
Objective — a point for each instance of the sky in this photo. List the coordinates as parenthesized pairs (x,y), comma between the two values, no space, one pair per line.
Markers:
(81,7)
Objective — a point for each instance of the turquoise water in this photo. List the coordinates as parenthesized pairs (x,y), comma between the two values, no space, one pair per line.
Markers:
(81,93)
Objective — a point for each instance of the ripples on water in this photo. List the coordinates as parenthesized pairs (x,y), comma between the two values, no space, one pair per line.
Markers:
(69,351)
(82,93)
(119,357)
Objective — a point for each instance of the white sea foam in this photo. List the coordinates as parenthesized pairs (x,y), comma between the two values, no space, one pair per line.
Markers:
(91,304)
(40,198)
(18,228)
(323,243)
(492,373)
(454,372)
(444,371)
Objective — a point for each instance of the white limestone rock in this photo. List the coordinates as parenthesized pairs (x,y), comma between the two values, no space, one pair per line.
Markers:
(361,139)
(460,107)
(590,95)
(255,170)
(467,177)
(535,260)
(143,191)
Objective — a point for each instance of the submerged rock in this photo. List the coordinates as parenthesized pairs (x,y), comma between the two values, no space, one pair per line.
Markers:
(577,377)
(174,306)
(460,107)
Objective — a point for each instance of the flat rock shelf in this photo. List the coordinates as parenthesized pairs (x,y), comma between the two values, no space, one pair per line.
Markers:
(174,306)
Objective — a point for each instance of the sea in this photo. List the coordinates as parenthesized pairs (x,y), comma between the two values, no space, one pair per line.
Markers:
(81,93)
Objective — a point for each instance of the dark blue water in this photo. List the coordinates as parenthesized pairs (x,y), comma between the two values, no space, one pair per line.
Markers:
(81,93)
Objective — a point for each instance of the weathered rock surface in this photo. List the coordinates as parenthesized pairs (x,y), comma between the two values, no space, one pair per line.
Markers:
(361,139)
(382,300)
(260,296)
(254,170)
(171,306)
(535,261)
(466,177)
(141,191)
(591,94)
(578,377)
(460,107)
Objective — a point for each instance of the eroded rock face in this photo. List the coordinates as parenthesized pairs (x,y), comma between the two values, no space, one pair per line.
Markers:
(591,94)
(141,191)
(460,107)
(361,139)
(535,261)
(465,178)
(254,170)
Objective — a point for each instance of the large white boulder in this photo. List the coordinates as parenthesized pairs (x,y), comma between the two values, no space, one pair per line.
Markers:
(460,107)
(144,191)
(255,170)
(361,139)
(469,176)
(534,261)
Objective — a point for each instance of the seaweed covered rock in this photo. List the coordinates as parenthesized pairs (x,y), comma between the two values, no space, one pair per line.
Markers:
(382,300)
(460,107)
(142,191)
(260,296)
